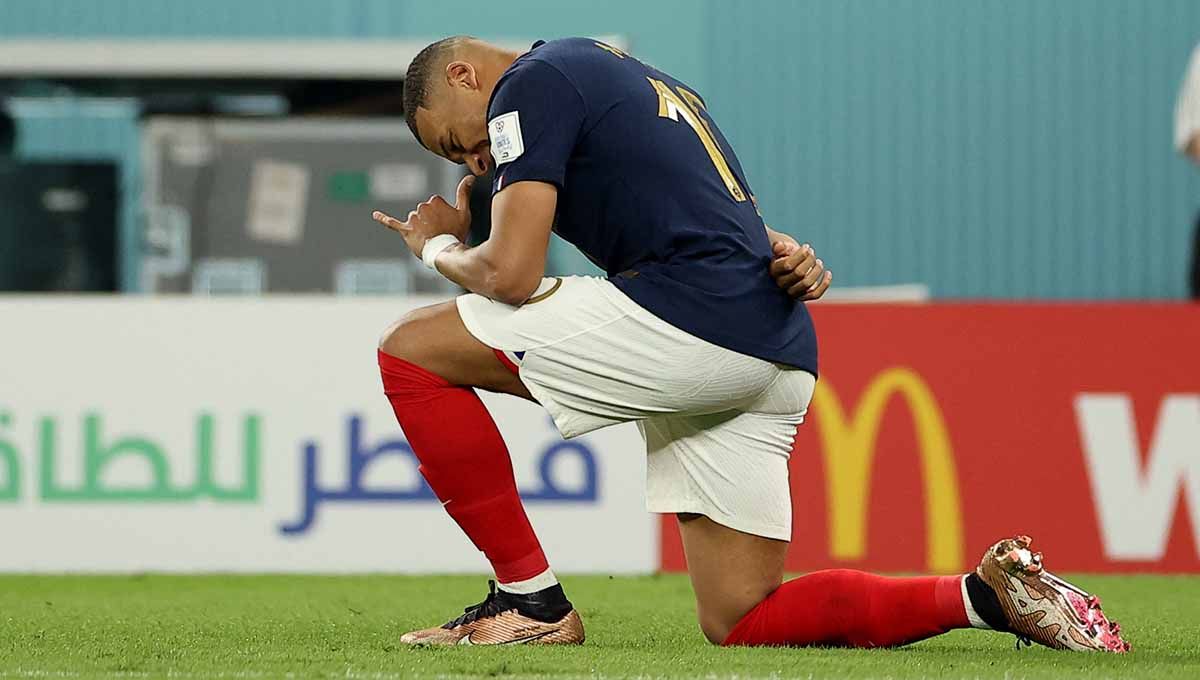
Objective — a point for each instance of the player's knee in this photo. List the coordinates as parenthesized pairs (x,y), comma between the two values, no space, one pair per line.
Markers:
(715,624)
(394,339)
(405,338)
(720,613)
(716,630)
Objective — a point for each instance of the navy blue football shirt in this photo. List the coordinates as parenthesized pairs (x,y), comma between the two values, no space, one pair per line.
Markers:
(649,190)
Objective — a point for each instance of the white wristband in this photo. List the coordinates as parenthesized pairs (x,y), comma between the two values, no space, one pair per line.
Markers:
(434,247)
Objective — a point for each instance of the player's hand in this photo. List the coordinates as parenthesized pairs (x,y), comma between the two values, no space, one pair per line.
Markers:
(798,270)
(433,217)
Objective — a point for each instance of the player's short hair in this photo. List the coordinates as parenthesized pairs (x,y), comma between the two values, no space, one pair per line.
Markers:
(422,74)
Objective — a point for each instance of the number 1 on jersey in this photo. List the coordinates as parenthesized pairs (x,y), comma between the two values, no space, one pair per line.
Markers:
(688,105)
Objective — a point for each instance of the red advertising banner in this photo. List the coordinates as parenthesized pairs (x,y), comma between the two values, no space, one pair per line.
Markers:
(938,429)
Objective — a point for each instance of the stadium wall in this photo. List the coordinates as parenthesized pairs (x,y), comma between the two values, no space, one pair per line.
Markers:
(192,434)
(1016,149)
(223,435)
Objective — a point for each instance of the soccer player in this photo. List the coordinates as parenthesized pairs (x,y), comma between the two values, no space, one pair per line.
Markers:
(699,333)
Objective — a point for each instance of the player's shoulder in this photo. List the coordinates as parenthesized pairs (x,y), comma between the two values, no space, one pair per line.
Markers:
(547,68)
(577,60)
(568,50)
(559,72)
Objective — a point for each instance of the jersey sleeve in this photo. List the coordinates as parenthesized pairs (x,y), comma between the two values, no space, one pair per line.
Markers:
(534,121)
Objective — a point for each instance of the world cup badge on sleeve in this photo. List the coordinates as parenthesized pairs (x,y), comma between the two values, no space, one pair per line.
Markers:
(504,131)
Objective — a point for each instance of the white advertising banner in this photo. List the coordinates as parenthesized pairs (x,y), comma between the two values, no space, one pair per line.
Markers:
(191,434)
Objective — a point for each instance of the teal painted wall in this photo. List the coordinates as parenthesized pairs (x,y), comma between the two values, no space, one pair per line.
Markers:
(1018,149)
(1015,149)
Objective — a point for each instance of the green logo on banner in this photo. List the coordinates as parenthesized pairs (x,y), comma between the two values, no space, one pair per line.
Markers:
(100,450)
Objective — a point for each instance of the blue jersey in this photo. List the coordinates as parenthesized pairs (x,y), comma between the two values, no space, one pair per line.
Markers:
(649,190)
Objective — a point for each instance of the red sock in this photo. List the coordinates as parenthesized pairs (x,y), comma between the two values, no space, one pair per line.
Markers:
(844,608)
(466,463)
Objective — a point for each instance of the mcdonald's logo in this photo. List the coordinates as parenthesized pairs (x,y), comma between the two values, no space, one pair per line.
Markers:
(849,451)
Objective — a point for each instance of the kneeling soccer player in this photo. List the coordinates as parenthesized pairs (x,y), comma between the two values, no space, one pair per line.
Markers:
(699,334)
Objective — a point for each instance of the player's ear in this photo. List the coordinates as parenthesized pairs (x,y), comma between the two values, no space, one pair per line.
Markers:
(461,74)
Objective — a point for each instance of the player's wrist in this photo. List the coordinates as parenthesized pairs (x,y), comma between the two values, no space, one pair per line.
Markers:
(436,246)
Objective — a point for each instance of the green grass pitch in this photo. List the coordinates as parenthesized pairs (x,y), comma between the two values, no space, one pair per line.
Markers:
(347,627)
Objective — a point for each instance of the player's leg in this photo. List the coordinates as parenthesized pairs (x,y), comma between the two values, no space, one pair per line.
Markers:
(741,598)
(429,362)
(731,572)
(1009,592)
(588,354)
(727,475)
(435,339)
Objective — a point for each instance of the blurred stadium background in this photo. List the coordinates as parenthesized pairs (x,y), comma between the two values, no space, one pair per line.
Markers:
(191,285)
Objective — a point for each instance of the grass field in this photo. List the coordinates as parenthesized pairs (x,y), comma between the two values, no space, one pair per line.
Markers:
(347,627)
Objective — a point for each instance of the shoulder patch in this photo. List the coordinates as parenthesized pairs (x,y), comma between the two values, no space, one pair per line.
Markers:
(504,132)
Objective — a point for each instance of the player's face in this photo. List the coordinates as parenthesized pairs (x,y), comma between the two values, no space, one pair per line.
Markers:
(454,126)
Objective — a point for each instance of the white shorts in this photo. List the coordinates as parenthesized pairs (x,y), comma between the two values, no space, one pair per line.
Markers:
(719,425)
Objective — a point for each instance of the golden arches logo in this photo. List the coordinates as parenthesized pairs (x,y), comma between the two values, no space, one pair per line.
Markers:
(849,449)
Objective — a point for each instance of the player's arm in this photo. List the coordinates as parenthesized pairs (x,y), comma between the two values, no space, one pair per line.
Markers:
(509,265)
(796,268)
